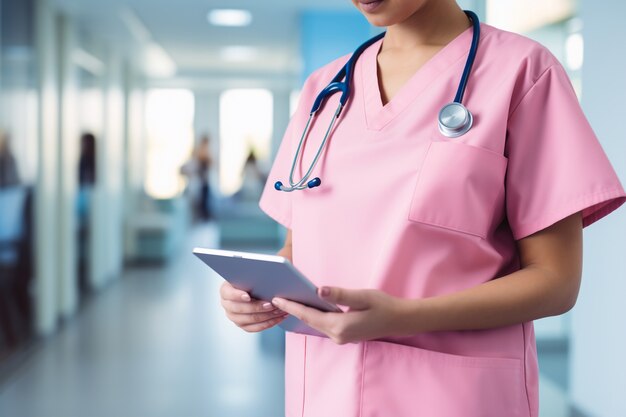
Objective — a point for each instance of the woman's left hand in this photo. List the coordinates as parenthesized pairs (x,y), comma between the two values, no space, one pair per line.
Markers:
(372,314)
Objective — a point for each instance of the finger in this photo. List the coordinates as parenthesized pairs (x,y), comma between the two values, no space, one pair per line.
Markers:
(239,307)
(356,299)
(257,327)
(228,292)
(309,316)
(247,319)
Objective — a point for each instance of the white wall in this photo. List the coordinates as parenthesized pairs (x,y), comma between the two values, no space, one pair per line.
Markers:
(134,163)
(56,287)
(108,198)
(598,341)
(67,154)
(47,244)
(281,118)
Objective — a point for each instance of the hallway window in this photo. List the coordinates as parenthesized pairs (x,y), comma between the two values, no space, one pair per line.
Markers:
(169,129)
(246,122)
(523,16)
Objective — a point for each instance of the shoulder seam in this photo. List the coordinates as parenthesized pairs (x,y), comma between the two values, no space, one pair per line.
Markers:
(535,82)
(340,60)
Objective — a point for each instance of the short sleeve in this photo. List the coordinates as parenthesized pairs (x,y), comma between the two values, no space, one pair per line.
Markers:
(277,204)
(556,166)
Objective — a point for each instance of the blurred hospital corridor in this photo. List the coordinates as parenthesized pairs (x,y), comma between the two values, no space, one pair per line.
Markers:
(147,347)
(132,131)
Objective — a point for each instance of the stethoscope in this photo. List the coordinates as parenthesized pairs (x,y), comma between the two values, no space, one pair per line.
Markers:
(454,118)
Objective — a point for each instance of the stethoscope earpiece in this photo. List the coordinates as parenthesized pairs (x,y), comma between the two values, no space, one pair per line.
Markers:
(315,182)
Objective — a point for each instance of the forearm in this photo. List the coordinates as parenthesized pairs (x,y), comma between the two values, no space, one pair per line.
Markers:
(528,294)
(547,285)
(286,250)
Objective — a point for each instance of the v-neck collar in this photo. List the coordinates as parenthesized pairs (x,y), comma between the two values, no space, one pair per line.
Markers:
(377,115)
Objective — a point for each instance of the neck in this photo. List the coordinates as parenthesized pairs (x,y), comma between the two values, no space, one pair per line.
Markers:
(436,23)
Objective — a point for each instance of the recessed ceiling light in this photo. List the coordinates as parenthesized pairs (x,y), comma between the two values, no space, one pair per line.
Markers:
(158,63)
(238,53)
(229,17)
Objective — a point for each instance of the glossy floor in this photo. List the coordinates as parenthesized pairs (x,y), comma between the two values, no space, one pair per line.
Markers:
(156,344)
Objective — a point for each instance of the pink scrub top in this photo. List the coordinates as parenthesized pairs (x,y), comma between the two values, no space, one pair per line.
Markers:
(405,210)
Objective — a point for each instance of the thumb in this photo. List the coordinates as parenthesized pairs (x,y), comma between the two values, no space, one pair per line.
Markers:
(355,299)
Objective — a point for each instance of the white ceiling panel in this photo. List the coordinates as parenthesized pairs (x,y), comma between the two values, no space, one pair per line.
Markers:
(182,29)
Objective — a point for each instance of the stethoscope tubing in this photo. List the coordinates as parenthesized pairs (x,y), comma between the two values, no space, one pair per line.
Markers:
(300,184)
(458,98)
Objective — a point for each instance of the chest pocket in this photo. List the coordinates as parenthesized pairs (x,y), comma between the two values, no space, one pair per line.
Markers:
(459,187)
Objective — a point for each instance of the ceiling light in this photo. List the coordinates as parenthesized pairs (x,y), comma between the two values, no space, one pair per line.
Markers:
(238,53)
(229,17)
(157,62)
(87,61)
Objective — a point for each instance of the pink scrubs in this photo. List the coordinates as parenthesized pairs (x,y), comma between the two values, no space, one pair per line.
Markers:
(407,211)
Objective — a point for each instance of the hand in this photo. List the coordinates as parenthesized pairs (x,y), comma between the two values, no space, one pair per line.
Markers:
(285,252)
(372,314)
(249,314)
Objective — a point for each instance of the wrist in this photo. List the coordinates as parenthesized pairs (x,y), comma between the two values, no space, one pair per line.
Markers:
(285,252)
(411,317)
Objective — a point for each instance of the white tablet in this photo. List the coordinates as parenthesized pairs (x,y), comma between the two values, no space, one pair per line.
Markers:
(265,277)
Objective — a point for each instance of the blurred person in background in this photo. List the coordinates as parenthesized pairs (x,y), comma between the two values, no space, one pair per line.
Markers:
(8,166)
(87,161)
(86,182)
(86,174)
(253,179)
(15,249)
(197,171)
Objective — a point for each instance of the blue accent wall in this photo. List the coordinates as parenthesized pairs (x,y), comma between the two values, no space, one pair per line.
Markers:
(327,35)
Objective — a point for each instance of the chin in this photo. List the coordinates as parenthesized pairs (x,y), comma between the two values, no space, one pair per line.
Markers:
(380,19)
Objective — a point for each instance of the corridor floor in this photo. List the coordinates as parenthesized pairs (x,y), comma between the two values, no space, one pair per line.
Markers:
(155,343)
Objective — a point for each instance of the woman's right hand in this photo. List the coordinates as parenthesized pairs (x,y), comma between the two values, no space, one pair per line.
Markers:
(249,314)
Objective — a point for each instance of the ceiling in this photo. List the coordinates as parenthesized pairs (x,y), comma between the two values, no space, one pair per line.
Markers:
(180,27)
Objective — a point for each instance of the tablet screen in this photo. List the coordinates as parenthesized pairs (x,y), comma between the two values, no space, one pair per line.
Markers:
(265,277)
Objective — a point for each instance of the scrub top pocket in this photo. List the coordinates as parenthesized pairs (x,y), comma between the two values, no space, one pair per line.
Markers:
(459,187)
(408,379)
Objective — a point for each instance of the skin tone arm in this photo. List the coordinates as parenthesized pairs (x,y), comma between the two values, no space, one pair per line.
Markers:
(546,285)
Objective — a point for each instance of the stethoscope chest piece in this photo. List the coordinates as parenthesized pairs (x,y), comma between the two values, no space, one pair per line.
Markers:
(454,120)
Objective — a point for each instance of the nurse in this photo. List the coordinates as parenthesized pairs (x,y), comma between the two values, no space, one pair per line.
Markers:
(443,250)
